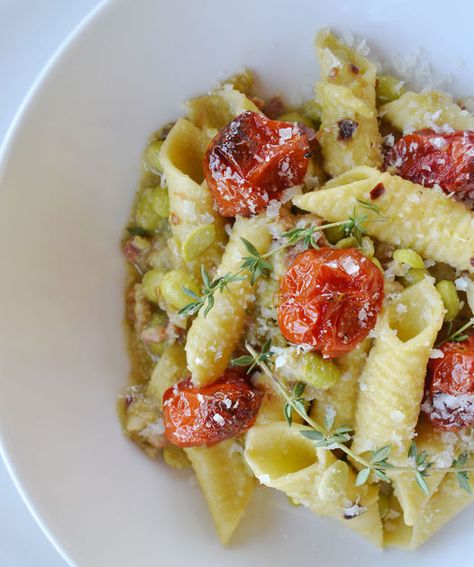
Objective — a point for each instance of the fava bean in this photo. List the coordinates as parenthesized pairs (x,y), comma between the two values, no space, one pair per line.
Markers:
(409,257)
(171,288)
(388,88)
(450,298)
(198,241)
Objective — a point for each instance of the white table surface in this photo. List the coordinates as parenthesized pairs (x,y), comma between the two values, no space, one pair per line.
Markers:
(30,32)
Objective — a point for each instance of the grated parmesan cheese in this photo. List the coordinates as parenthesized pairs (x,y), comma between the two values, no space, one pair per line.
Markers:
(462,283)
(217,417)
(436,353)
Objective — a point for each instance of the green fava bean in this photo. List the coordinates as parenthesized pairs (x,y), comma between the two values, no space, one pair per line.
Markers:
(198,241)
(171,288)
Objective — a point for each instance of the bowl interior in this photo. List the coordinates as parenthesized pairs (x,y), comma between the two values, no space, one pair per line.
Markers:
(67,180)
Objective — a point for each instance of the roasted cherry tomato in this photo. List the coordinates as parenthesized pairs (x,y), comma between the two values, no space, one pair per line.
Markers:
(252,160)
(449,402)
(204,416)
(431,159)
(330,299)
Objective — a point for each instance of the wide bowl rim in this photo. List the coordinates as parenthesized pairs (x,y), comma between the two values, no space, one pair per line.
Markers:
(6,147)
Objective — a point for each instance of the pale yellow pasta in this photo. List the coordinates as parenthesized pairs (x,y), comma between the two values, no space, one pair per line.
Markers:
(271,408)
(190,202)
(342,397)
(213,337)
(171,368)
(281,458)
(337,61)
(448,501)
(420,236)
(392,382)
(426,220)
(225,482)
(213,111)
(415,111)
(441,450)
(346,95)
(220,470)
(470,296)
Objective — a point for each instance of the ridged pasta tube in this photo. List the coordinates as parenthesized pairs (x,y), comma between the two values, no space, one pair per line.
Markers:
(441,450)
(213,111)
(413,216)
(392,382)
(171,368)
(190,202)
(349,134)
(280,457)
(212,338)
(225,482)
(448,501)
(415,111)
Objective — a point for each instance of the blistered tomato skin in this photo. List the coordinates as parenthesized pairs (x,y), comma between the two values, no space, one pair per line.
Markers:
(330,299)
(430,159)
(449,402)
(205,416)
(252,160)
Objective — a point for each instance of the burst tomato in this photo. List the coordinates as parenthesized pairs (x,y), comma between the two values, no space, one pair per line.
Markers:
(430,159)
(449,402)
(204,416)
(330,299)
(252,160)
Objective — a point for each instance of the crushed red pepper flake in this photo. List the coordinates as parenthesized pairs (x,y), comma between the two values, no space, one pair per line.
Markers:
(377,191)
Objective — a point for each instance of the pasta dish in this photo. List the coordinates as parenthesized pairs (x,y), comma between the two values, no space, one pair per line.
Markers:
(300,301)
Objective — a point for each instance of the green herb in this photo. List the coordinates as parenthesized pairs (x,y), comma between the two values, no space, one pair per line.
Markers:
(378,464)
(355,225)
(369,206)
(254,263)
(306,235)
(421,466)
(137,231)
(297,403)
(457,336)
(206,299)
(253,361)
(378,461)
(330,439)
(462,476)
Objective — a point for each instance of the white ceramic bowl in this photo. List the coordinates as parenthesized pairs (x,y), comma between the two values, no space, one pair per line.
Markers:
(68,173)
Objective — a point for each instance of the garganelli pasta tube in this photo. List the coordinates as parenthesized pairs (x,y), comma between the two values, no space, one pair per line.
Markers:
(392,382)
(281,458)
(416,111)
(189,199)
(225,482)
(349,134)
(213,337)
(411,216)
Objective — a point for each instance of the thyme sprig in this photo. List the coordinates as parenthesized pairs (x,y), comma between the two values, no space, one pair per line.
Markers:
(206,299)
(462,475)
(255,265)
(420,467)
(297,401)
(457,336)
(252,361)
(377,463)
